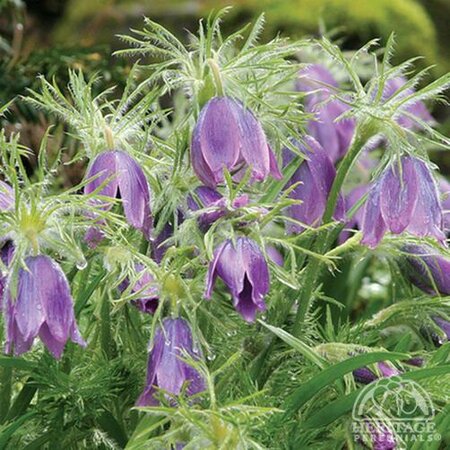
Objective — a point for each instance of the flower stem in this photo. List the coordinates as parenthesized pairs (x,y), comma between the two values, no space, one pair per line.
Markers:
(217,76)
(325,239)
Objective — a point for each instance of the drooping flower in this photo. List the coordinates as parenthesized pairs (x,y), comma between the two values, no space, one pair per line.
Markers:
(244,270)
(444,189)
(333,133)
(313,180)
(114,173)
(228,135)
(364,375)
(404,198)
(144,285)
(406,116)
(214,204)
(444,326)
(6,255)
(43,307)
(166,368)
(427,269)
(381,436)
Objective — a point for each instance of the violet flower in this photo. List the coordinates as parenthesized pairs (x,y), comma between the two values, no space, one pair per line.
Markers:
(364,375)
(244,271)
(416,110)
(43,307)
(214,202)
(381,436)
(334,135)
(148,293)
(403,199)
(228,136)
(166,369)
(444,188)
(119,174)
(313,180)
(427,269)
(6,255)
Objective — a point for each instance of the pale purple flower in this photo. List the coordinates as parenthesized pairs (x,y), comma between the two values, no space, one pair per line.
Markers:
(444,188)
(115,173)
(43,307)
(228,136)
(214,204)
(427,269)
(381,436)
(403,198)
(313,180)
(365,375)
(144,285)
(332,132)
(166,368)
(244,270)
(6,254)
(416,110)
(444,326)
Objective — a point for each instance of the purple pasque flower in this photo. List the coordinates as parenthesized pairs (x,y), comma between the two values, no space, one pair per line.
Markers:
(403,198)
(334,134)
(114,173)
(6,196)
(145,285)
(381,436)
(406,116)
(214,204)
(244,270)
(6,255)
(228,136)
(313,180)
(43,307)
(364,375)
(444,189)
(427,269)
(166,368)
(444,326)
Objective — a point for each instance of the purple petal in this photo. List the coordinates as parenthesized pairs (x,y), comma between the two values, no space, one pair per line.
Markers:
(373,226)
(444,325)
(398,195)
(427,219)
(7,197)
(103,168)
(216,140)
(135,193)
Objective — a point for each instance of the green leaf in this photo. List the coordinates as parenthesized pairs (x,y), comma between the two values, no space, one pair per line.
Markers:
(7,432)
(333,373)
(297,344)
(16,363)
(334,410)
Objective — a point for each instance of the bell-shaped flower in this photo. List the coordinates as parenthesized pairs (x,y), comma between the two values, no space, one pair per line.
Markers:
(403,198)
(365,375)
(228,136)
(43,307)
(328,128)
(407,116)
(444,189)
(115,173)
(6,255)
(427,269)
(244,270)
(313,181)
(214,205)
(167,368)
(145,288)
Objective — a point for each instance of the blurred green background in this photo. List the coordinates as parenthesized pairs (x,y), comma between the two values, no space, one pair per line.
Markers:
(48,36)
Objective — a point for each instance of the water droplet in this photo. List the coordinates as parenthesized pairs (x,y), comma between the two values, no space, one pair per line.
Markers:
(81,264)
(211,357)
